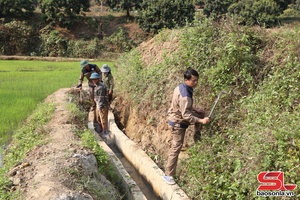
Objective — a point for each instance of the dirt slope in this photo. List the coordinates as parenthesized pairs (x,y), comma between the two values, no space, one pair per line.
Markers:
(46,172)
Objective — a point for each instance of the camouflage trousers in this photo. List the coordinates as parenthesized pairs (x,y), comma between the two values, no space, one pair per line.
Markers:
(102,117)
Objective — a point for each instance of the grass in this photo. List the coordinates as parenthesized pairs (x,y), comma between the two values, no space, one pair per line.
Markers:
(33,134)
(23,84)
(32,85)
(24,140)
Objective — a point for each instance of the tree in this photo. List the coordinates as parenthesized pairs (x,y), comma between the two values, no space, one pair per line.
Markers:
(283,4)
(127,5)
(216,9)
(297,5)
(157,14)
(16,8)
(62,12)
(258,12)
(200,3)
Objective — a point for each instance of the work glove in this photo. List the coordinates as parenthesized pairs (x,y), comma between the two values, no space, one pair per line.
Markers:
(79,86)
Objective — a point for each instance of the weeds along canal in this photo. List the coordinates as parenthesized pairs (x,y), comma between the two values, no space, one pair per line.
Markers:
(140,175)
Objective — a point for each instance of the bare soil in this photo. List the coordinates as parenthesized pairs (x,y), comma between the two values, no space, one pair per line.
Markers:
(55,169)
(154,139)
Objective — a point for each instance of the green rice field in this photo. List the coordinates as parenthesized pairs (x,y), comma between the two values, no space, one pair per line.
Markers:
(23,84)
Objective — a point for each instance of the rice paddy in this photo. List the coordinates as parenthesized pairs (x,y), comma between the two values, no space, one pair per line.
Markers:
(23,84)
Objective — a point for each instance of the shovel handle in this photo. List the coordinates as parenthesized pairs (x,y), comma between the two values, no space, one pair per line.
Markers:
(217,100)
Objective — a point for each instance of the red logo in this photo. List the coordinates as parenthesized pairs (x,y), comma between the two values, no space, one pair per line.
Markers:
(273,181)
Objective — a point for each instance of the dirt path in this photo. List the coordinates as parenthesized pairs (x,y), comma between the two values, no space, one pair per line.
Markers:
(44,173)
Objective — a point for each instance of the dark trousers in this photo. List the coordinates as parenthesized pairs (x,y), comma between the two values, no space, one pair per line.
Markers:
(92,96)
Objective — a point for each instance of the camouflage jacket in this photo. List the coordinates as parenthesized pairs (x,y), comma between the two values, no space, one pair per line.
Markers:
(100,95)
(108,81)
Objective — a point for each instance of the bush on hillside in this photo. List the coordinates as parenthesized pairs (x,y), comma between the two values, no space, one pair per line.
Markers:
(61,12)
(55,45)
(16,9)
(118,42)
(263,13)
(256,127)
(127,5)
(216,9)
(17,37)
(297,5)
(156,15)
(87,39)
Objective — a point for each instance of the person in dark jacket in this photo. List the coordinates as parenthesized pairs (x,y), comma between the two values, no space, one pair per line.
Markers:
(86,70)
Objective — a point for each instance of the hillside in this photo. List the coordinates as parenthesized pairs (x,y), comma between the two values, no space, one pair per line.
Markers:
(97,34)
(255,127)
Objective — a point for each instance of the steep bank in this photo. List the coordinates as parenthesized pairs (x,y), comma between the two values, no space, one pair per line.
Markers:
(254,127)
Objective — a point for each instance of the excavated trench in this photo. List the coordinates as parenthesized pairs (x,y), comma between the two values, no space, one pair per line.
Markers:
(139,172)
(145,187)
(141,182)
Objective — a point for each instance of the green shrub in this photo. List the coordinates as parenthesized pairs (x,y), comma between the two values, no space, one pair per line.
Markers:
(118,42)
(89,140)
(84,48)
(216,9)
(257,125)
(53,44)
(264,13)
(62,13)
(26,138)
(156,15)
(289,13)
(16,37)
(266,138)
(16,9)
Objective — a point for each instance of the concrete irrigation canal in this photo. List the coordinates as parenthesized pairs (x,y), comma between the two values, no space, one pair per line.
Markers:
(139,172)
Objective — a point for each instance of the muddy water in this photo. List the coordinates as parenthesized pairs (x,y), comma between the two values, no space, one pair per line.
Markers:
(139,179)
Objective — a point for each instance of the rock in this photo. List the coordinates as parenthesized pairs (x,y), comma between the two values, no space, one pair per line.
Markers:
(74,196)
